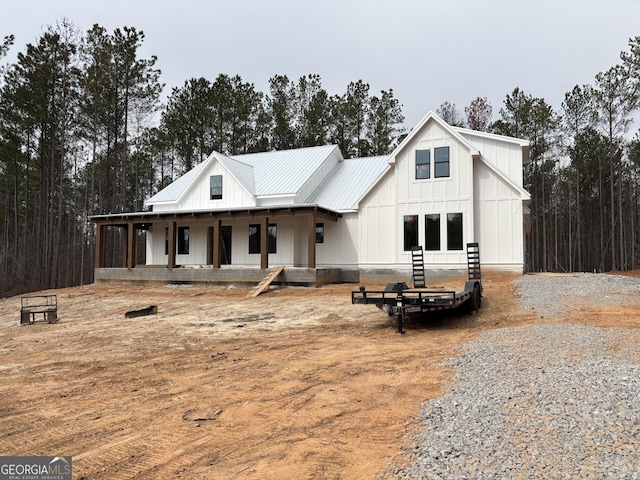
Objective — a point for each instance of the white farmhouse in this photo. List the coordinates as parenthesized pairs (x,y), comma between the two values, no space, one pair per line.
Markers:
(330,219)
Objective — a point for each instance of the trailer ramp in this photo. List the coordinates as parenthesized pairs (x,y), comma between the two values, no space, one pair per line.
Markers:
(417,261)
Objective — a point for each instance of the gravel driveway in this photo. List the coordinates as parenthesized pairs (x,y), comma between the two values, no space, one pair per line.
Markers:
(548,401)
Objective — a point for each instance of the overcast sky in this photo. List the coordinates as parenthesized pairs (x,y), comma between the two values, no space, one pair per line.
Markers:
(426,51)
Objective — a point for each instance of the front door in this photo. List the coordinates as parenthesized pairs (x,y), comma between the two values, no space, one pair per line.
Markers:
(225,234)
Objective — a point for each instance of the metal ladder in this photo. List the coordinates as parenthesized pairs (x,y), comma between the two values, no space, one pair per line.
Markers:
(417,260)
(473,261)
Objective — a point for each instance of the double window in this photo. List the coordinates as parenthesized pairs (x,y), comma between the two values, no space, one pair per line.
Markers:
(255,236)
(441,161)
(432,232)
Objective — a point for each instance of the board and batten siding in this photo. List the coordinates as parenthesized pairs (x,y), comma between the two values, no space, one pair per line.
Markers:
(505,155)
(499,214)
(240,255)
(400,193)
(198,197)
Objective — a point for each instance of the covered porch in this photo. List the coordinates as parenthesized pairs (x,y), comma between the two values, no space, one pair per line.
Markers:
(213,266)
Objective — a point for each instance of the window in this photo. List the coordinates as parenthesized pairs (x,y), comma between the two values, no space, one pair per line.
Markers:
(454,231)
(441,162)
(423,164)
(273,235)
(166,240)
(183,240)
(432,231)
(319,232)
(254,238)
(215,187)
(410,232)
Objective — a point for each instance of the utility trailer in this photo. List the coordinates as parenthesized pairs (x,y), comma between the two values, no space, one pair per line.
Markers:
(399,300)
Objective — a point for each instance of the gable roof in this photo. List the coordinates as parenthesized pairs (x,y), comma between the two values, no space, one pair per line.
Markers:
(431,117)
(284,173)
(266,173)
(456,133)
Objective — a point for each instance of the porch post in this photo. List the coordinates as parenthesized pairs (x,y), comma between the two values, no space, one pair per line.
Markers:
(311,237)
(98,262)
(217,243)
(264,243)
(131,245)
(171,261)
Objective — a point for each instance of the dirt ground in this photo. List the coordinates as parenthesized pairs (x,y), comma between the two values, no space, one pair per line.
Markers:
(296,383)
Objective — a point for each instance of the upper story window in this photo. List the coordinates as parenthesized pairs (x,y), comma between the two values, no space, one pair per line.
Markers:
(423,164)
(215,187)
(441,162)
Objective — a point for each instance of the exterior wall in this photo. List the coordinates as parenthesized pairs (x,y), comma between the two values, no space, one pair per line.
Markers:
(381,241)
(240,256)
(499,220)
(505,155)
(197,197)
(340,241)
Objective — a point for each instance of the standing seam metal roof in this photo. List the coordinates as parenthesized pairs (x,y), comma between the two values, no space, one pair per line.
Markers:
(349,182)
(285,172)
(267,173)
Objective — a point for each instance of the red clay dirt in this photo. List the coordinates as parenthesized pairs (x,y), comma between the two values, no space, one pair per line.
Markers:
(295,383)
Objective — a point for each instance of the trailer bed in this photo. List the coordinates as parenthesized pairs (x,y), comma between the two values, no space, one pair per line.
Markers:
(414,300)
(401,301)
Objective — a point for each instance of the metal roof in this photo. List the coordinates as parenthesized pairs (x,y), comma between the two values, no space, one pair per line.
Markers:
(242,172)
(267,173)
(350,180)
(172,192)
(286,171)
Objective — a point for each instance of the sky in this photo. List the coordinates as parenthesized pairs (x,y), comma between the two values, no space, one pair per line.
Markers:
(427,52)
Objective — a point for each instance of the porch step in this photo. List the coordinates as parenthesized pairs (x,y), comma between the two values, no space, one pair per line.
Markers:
(266,281)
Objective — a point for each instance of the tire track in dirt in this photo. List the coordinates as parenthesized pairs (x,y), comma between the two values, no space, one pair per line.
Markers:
(310,385)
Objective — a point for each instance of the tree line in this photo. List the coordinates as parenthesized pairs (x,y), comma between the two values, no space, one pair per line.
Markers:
(584,168)
(84,131)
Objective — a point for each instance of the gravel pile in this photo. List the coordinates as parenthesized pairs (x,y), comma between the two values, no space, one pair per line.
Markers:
(545,401)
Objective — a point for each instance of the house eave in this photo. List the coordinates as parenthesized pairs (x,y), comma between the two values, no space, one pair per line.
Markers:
(144,217)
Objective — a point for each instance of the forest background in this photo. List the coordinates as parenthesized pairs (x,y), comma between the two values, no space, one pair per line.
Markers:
(84,131)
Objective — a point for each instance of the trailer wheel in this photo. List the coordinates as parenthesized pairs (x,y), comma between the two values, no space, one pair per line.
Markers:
(476,299)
